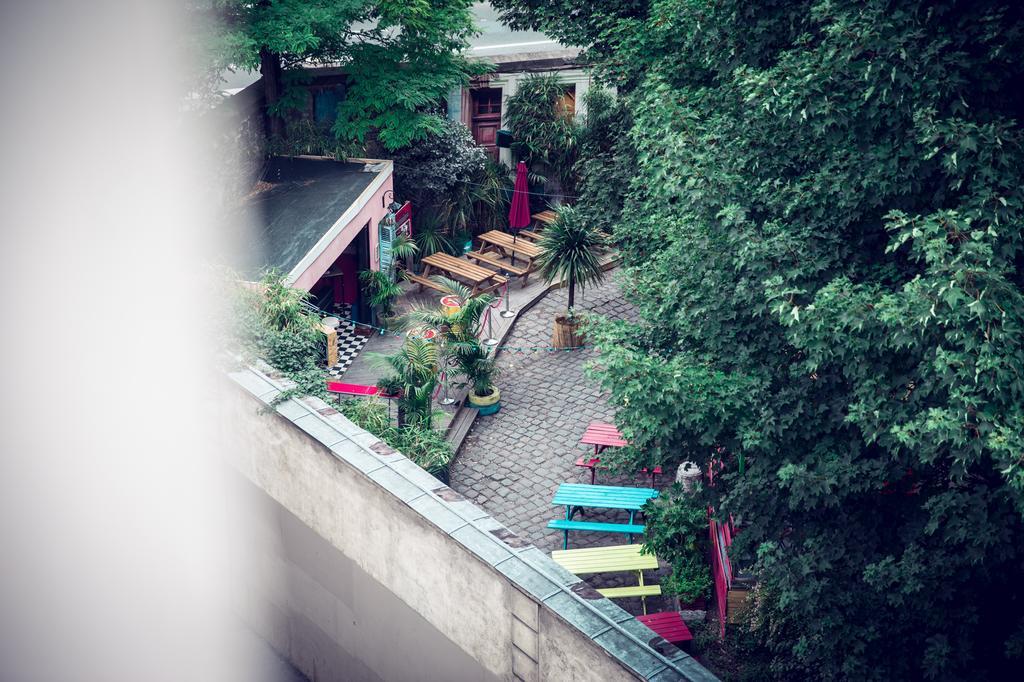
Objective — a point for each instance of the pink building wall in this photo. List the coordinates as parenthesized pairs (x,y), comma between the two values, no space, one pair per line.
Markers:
(374,210)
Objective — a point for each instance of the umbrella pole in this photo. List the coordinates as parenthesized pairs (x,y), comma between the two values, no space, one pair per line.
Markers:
(514,236)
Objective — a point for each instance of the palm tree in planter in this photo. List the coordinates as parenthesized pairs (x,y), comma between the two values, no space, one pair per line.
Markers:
(414,379)
(569,253)
(381,291)
(459,331)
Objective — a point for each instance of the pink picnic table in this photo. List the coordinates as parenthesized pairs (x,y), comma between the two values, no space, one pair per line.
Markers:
(669,624)
(602,435)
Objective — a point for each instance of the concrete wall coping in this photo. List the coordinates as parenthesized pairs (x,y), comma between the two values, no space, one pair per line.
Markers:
(533,572)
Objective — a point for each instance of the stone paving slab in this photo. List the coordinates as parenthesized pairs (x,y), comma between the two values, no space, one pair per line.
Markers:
(512,462)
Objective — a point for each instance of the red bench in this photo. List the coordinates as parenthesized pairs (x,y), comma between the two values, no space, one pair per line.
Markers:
(351,389)
(668,624)
(601,436)
(593,462)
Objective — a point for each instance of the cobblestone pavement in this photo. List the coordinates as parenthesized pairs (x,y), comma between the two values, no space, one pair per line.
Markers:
(512,462)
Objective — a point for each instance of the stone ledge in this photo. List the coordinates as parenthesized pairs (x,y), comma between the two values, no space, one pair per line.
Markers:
(525,567)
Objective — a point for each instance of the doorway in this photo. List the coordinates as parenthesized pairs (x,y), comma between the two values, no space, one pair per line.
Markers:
(486,118)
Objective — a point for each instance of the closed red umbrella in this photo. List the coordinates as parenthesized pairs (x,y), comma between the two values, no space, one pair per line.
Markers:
(519,212)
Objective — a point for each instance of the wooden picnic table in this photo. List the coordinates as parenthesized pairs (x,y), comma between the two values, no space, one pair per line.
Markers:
(460,269)
(669,624)
(502,242)
(546,217)
(576,496)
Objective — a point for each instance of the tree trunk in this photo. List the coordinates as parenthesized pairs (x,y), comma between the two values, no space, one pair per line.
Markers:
(572,292)
(270,67)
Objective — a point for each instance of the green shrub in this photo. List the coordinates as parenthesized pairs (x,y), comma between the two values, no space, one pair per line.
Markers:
(677,527)
(425,446)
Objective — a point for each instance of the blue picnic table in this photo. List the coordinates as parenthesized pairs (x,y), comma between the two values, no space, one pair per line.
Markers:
(576,496)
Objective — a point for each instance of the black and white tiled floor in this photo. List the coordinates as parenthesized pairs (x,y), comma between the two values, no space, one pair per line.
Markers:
(349,342)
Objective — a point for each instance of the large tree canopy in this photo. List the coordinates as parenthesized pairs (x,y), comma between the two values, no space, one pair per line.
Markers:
(401,56)
(824,237)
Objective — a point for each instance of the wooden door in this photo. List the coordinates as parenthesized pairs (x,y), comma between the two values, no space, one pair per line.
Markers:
(486,119)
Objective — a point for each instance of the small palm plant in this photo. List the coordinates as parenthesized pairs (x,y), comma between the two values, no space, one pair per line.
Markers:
(404,249)
(459,335)
(414,369)
(381,291)
(569,252)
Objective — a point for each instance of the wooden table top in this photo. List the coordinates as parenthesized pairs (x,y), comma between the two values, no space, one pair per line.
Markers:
(459,267)
(504,240)
(602,496)
(612,559)
(545,216)
(599,433)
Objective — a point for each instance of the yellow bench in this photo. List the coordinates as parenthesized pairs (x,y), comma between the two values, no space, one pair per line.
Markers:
(631,591)
(612,559)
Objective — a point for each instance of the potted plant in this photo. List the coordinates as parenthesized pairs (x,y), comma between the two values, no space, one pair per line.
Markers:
(381,292)
(390,387)
(570,254)
(459,330)
(430,236)
(414,374)
(404,251)
(481,371)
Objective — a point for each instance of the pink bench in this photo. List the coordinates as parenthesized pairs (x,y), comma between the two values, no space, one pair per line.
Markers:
(601,436)
(668,624)
(351,389)
(593,462)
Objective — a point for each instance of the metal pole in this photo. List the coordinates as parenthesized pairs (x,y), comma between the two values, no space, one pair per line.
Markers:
(506,313)
(446,400)
(490,340)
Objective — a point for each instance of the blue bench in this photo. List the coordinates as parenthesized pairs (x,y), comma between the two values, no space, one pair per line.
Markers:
(565,525)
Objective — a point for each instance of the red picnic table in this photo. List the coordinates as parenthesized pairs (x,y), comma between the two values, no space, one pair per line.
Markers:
(669,624)
(601,436)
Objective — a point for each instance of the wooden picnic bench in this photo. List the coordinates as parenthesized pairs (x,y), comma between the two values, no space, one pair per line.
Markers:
(545,217)
(603,435)
(503,243)
(669,624)
(481,279)
(532,236)
(351,389)
(612,559)
(494,261)
(576,497)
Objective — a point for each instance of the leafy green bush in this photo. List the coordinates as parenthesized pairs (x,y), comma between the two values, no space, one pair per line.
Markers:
(824,242)
(425,446)
(607,160)
(676,532)
(429,170)
(544,137)
(288,351)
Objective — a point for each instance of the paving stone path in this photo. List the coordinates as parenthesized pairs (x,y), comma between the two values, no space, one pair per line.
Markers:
(512,462)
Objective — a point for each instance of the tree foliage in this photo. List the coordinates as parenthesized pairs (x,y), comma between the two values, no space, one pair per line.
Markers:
(400,57)
(544,136)
(824,240)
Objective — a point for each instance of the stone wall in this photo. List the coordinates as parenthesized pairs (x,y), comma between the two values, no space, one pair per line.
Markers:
(372,569)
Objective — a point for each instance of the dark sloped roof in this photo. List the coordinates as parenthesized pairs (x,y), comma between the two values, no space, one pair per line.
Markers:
(293,206)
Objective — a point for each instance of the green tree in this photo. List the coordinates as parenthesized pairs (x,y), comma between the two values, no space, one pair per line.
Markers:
(569,252)
(824,241)
(400,57)
(544,136)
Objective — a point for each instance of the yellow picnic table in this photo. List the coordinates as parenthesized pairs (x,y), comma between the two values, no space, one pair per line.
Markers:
(612,559)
